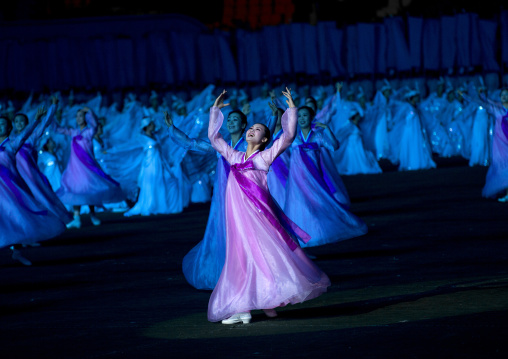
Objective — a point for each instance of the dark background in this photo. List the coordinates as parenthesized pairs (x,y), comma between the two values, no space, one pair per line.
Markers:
(210,11)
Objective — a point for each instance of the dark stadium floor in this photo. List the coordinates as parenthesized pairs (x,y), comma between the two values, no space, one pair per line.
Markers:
(429,280)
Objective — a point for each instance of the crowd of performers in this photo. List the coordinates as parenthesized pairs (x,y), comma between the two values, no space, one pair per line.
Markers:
(60,159)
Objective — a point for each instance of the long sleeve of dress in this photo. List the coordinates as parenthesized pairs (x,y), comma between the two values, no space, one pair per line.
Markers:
(44,123)
(216,140)
(191,144)
(18,141)
(329,140)
(288,123)
(91,122)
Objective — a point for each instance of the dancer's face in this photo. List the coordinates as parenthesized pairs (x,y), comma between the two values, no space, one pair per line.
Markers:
(19,123)
(387,93)
(256,134)
(80,118)
(504,96)
(234,123)
(304,118)
(450,96)
(4,127)
(415,99)
(149,128)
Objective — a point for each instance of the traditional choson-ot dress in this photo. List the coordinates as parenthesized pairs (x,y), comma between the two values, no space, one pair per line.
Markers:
(83,180)
(24,220)
(265,267)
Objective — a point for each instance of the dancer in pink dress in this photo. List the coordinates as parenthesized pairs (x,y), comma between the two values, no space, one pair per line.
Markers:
(83,181)
(265,268)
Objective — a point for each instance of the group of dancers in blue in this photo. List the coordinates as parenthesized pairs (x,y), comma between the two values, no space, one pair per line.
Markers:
(61,162)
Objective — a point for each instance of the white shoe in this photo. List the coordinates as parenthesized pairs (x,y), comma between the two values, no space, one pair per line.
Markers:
(16,255)
(75,223)
(95,221)
(238,318)
(270,313)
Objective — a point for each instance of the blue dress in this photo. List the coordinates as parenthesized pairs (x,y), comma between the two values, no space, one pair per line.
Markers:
(24,220)
(202,266)
(316,199)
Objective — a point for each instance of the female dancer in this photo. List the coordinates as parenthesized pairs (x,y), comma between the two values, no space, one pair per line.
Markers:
(83,181)
(26,163)
(410,145)
(265,268)
(159,190)
(24,220)
(496,182)
(323,211)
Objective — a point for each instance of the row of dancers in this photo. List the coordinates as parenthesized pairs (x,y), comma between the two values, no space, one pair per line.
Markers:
(309,165)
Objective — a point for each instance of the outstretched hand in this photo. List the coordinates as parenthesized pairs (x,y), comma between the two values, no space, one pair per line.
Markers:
(289,100)
(219,102)
(246,109)
(41,111)
(273,107)
(339,86)
(168,120)
(319,124)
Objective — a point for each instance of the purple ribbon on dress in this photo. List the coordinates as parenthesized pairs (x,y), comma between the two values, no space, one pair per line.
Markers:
(504,125)
(89,161)
(263,201)
(7,178)
(25,152)
(320,176)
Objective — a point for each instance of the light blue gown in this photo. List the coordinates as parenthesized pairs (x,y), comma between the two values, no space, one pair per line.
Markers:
(202,266)
(316,198)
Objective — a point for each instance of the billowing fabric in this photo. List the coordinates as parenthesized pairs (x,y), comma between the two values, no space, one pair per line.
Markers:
(159,191)
(351,157)
(83,181)
(480,137)
(408,140)
(48,165)
(23,219)
(203,264)
(316,199)
(261,271)
(496,182)
(26,163)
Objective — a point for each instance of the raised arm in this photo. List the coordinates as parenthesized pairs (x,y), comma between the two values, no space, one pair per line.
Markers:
(271,122)
(91,120)
(46,121)
(181,138)
(288,123)
(18,141)
(214,125)
(329,140)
